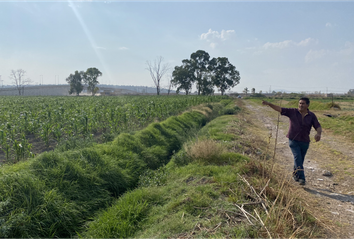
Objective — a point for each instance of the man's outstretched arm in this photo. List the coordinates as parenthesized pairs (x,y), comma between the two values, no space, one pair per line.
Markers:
(275,107)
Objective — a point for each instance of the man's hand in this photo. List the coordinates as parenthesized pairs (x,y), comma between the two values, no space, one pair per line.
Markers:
(265,103)
(318,134)
(275,107)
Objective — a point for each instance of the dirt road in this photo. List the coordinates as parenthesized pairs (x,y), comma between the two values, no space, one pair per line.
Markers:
(331,197)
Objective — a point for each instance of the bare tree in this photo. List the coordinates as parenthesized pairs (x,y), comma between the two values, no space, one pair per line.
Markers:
(157,70)
(19,80)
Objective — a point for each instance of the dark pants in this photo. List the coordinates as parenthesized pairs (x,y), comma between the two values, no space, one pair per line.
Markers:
(299,150)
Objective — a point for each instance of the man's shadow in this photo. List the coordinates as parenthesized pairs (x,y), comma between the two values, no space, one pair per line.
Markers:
(336,196)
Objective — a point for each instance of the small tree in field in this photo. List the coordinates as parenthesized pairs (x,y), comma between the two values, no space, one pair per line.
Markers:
(75,81)
(224,74)
(90,78)
(182,78)
(19,80)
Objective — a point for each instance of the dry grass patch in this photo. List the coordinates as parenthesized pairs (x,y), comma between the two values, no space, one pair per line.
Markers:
(207,151)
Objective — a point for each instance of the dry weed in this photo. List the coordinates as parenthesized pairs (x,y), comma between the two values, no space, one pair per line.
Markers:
(207,151)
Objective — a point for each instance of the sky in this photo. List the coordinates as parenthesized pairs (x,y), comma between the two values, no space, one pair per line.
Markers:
(296,46)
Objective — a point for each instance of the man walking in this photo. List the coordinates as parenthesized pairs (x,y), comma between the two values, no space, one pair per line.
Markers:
(301,121)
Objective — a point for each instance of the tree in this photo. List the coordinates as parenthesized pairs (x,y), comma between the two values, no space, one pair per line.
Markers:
(157,71)
(224,74)
(207,85)
(199,63)
(90,78)
(182,78)
(19,80)
(75,81)
(245,91)
(253,91)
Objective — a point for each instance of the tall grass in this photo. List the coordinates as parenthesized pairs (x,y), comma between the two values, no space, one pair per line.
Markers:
(200,193)
(53,195)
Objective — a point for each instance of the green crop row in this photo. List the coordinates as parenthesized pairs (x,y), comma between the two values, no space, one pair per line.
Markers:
(54,194)
(52,120)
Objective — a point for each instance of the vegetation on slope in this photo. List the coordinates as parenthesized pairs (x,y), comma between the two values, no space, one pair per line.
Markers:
(53,195)
(210,190)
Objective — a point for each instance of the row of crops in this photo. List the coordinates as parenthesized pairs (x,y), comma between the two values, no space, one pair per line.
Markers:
(53,119)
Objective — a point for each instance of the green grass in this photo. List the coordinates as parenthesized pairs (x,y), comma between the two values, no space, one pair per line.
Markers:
(55,193)
(192,197)
(340,125)
(129,188)
(177,194)
(216,129)
(189,194)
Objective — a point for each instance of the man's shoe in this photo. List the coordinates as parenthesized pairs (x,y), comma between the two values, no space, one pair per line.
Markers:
(296,179)
(302,182)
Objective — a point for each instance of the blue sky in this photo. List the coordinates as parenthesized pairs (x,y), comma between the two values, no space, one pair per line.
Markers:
(293,46)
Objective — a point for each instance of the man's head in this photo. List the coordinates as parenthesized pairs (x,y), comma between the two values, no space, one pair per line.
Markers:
(304,104)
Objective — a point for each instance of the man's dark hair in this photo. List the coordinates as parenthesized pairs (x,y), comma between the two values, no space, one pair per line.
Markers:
(307,100)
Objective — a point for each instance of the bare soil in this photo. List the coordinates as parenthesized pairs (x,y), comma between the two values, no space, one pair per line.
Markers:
(329,198)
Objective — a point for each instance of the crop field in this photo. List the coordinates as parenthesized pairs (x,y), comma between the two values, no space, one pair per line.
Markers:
(31,125)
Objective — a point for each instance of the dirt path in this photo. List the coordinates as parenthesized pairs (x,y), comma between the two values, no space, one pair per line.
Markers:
(332,196)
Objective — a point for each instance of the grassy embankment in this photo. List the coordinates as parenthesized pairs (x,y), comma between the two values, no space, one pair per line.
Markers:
(221,184)
(53,195)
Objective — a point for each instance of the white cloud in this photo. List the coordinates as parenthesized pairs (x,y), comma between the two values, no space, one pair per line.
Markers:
(288,43)
(314,55)
(97,47)
(330,25)
(341,55)
(226,34)
(307,42)
(279,45)
(212,35)
(213,45)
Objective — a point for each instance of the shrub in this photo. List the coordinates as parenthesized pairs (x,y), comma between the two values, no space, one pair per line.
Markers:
(228,111)
(333,105)
(205,151)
